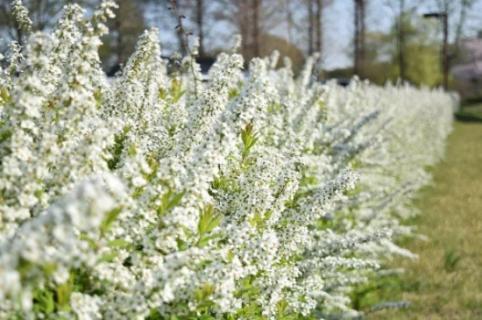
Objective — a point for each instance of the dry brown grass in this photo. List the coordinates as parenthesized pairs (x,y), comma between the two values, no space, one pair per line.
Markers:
(446,281)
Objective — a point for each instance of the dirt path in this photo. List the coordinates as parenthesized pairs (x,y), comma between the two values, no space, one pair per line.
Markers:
(446,281)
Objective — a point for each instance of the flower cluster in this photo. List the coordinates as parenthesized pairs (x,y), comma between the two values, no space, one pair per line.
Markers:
(156,194)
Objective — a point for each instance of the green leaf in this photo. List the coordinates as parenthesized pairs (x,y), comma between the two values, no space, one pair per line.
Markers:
(119,243)
(49,269)
(109,219)
(131,150)
(204,292)
(274,107)
(4,95)
(208,220)
(44,301)
(92,243)
(249,138)
(233,93)
(117,149)
(63,293)
(108,257)
(258,220)
(225,184)
(154,166)
(176,90)
(169,200)
(5,134)
(154,314)
(98,98)
(204,240)
(162,94)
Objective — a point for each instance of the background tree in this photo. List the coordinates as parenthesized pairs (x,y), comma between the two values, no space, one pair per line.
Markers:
(359,37)
(200,13)
(402,10)
(401,39)
(249,19)
(315,24)
(457,16)
(311,25)
(449,21)
(197,21)
(125,29)
(266,25)
(420,49)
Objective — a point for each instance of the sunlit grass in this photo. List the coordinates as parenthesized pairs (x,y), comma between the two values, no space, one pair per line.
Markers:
(446,281)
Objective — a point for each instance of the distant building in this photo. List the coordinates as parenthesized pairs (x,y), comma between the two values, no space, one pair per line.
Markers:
(468,72)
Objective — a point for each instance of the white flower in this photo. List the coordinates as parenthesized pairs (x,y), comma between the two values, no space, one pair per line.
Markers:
(86,307)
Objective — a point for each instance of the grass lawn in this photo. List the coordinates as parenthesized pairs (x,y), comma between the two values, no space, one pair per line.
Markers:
(446,281)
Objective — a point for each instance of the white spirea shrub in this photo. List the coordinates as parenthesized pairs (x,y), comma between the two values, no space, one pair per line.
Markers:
(161,196)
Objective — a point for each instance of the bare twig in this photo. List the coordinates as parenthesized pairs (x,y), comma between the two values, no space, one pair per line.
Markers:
(184,41)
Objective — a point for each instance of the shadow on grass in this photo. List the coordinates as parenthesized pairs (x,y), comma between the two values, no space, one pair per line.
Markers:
(468,117)
(470,113)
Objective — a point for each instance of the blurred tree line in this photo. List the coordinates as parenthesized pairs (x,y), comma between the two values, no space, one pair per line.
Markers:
(409,50)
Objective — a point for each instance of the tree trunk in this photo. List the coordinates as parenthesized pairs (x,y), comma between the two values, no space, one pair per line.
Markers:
(310,27)
(200,25)
(359,38)
(465,6)
(319,26)
(401,40)
(255,26)
(289,21)
(362,33)
(243,27)
(445,51)
(356,40)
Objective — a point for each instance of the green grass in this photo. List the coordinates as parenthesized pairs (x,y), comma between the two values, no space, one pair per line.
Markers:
(446,281)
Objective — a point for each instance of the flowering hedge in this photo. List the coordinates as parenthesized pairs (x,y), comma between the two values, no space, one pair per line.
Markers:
(161,196)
